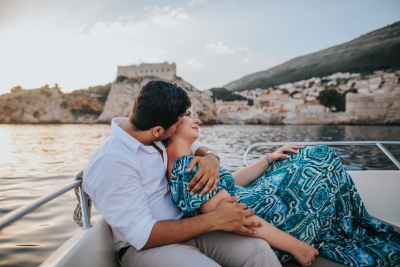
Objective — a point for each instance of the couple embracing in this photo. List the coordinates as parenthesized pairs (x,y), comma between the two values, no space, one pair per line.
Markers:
(169,203)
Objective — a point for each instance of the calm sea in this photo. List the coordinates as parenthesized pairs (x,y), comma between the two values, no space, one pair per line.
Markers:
(37,159)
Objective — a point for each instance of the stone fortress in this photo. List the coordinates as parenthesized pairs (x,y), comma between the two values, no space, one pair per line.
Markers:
(163,71)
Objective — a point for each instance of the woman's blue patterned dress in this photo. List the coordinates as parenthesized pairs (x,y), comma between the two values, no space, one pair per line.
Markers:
(311,197)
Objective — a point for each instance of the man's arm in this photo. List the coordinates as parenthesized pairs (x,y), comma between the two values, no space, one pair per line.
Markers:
(228,216)
(207,174)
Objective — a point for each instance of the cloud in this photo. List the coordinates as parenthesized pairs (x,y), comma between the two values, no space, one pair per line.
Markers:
(195,2)
(219,48)
(126,20)
(84,30)
(164,16)
(150,16)
(194,63)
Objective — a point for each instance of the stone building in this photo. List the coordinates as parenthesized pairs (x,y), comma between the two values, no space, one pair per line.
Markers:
(163,71)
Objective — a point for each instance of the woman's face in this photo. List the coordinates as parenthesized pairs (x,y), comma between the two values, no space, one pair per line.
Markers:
(189,128)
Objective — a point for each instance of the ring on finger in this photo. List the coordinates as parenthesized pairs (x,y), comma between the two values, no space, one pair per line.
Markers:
(216,181)
(309,264)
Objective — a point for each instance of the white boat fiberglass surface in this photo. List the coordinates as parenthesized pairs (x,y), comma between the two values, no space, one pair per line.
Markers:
(93,246)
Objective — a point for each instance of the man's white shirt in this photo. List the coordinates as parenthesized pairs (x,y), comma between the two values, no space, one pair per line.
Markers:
(127,183)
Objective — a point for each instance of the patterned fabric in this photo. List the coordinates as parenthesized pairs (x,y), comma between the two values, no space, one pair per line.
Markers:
(77,217)
(310,196)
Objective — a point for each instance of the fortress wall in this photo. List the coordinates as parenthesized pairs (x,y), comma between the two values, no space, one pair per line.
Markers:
(164,70)
(369,106)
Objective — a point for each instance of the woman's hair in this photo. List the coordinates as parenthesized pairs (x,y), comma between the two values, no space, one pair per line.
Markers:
(159,103)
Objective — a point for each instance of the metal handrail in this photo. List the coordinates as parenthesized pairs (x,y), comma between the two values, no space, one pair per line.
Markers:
(16,214)
(336,143)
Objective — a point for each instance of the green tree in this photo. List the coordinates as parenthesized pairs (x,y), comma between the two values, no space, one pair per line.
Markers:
(225,95)
(120,79)
(293,93)
(342,103)
(330,98)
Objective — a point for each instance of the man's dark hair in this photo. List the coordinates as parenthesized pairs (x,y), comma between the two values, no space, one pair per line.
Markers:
(159,103)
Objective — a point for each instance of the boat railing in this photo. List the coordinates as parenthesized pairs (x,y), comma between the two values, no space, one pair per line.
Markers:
(16,214)
(379,144)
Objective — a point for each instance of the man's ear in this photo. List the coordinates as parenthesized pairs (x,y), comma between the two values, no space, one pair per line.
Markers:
(157,131)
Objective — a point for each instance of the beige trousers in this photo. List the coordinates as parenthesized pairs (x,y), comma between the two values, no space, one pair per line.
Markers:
(213,249)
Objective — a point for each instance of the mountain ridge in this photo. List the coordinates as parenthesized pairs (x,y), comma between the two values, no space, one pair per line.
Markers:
(378,49)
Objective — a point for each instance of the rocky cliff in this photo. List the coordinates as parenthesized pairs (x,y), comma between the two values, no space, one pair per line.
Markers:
(50,105)
(122,95)
(45,105)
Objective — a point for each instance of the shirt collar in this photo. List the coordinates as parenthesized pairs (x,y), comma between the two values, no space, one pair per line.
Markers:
(131,142)
(126,138)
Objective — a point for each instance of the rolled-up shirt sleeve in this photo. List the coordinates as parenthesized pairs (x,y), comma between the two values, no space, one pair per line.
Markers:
(120,198)
(194,147)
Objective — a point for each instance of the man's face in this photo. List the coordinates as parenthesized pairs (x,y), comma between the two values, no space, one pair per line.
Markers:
(170,131)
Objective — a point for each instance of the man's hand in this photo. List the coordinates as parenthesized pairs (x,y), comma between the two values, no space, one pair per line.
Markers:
(234,217)
(208,173)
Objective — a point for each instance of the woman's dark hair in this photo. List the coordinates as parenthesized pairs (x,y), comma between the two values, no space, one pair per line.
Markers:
(159,103)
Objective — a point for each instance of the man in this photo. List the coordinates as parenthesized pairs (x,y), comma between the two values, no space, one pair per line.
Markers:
(126,179)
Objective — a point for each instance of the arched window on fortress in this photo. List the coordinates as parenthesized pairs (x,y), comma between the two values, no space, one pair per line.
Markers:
(146,71)
(156,70)
(151,70)
(141,71)
(162,70)
(167,69)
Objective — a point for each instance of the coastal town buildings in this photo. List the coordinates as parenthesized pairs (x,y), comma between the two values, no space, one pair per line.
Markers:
(287,100)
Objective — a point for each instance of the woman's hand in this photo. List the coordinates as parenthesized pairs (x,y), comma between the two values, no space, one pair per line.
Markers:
(305,254)
(208,173)
(280,153)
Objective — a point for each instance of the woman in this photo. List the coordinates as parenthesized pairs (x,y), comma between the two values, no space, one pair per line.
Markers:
(305,198)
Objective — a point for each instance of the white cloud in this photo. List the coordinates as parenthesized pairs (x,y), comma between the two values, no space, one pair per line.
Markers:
(247,60)
(220,48)
(194,63)
(195,2)
(126,20)
(164,16)
(84,30)
(79,59)
(150,16)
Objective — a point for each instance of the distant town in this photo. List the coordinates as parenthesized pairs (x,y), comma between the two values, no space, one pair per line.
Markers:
(305,96)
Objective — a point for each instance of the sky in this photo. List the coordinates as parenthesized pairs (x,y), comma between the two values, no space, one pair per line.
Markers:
(80,43)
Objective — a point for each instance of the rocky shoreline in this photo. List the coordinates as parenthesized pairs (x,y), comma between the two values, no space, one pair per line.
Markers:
(52,106)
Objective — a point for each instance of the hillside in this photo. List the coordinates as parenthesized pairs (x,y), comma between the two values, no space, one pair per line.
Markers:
(98,104)
(379,49)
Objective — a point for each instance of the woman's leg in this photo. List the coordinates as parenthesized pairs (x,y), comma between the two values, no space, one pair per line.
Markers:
(278,239)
